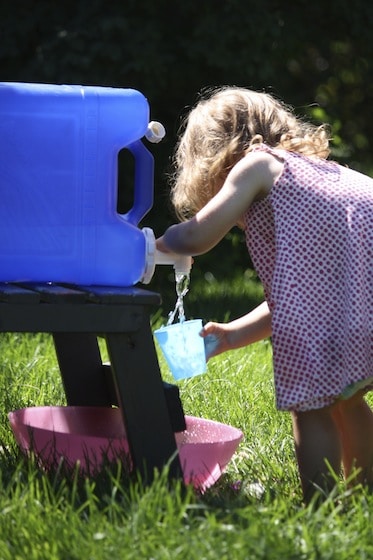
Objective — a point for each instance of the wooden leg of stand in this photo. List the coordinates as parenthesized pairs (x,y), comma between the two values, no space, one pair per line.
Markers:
(142,400)
(81,369)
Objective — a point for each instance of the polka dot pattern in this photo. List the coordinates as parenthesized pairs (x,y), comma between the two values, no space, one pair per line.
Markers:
(311,243)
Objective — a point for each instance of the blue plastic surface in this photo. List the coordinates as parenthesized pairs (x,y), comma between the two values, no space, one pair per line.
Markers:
(59,150)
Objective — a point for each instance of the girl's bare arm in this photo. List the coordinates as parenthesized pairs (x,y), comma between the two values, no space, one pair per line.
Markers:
(251,178)
(250,328)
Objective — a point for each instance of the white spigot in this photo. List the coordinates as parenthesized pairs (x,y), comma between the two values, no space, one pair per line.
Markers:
(155,132)
(182,263)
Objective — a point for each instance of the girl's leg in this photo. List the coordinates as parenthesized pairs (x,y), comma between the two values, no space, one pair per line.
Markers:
(354,420)
(318,449)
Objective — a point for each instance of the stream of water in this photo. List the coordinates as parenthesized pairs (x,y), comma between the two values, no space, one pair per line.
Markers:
(182,288)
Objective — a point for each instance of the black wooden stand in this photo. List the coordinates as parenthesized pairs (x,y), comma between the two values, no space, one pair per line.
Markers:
(76,316)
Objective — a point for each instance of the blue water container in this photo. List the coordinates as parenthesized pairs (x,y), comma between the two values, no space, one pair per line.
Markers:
(59,148)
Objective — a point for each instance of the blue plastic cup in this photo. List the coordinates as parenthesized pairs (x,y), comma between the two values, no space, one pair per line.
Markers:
(183,348)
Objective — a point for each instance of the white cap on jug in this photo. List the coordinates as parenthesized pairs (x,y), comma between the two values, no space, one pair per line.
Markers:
(156,132)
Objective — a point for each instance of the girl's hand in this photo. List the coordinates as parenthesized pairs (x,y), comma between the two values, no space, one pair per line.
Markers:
(217,339)
(161,246)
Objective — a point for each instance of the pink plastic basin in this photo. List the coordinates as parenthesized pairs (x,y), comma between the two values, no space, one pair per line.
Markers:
(93,436)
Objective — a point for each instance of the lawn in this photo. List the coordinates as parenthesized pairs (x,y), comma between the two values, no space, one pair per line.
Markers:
(254,511)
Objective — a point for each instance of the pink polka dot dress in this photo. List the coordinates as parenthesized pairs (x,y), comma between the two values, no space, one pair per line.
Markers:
(311,243)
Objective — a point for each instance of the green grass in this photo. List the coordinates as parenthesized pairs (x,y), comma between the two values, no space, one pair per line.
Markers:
(254,511)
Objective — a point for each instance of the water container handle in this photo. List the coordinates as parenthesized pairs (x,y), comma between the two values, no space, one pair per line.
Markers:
(144,182)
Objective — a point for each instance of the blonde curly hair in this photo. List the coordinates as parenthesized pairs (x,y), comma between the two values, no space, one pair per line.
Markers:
(221,129)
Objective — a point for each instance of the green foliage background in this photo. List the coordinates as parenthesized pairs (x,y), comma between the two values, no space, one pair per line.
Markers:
(317,56)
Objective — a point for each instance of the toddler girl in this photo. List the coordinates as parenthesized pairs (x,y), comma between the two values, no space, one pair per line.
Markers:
(245,159)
